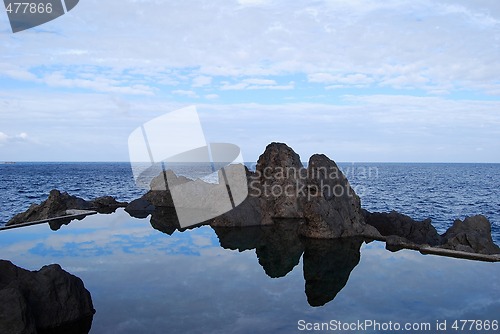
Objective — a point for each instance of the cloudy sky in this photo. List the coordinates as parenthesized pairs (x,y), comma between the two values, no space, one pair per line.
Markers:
(358,80)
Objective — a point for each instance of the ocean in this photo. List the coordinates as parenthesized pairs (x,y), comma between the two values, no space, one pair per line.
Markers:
(440,191)
(144,278)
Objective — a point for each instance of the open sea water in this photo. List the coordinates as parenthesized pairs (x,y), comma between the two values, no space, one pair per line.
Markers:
(442,192)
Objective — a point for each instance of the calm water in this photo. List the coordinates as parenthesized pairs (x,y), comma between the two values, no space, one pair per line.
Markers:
(442,192)
(251,280)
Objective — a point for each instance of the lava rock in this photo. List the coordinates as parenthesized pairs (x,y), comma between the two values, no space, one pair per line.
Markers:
(397,224)
(58,203)
(330,206)
(46,301)
(279,183)
(471,235)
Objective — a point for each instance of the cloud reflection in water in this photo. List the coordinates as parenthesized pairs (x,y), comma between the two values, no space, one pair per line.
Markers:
(143,280)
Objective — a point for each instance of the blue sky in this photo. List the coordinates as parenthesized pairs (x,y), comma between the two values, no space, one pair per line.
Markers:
(357,80)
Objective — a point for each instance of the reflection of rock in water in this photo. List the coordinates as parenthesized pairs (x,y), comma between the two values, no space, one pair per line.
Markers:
(327,266)
(278,246)
(239,238)
(281,250)
(164,219)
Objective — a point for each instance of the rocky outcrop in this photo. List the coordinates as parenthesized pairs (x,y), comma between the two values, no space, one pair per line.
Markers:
(330,206)
(472,235)
(58,203)
(46,301)
(397,224)
(320,197)
(279,176)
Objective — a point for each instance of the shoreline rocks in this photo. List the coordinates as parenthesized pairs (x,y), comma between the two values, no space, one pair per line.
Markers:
(473,235)
(318,199)
(49,300)
(58,203)
(397,224)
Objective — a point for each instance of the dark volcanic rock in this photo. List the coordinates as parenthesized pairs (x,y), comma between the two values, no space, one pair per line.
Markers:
(331,207)
(57,203)
(106,204)
(140,208)
(249,212)
(46,301)
(397,224)
(471,235)
(327,266)
(279,179)
(281,188)
(158,196)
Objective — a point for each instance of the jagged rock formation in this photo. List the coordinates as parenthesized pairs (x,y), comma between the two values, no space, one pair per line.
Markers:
(472,235)
(58,203)
(46,301)
(331,208)
(319,196)
(318,200)
(395,223)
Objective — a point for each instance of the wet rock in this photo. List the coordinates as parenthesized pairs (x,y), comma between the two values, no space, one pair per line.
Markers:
(471,235)
(397,224)
(58,203)
(106,204)
(46,301)
(330,206)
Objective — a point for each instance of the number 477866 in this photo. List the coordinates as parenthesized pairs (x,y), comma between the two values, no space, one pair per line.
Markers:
(28,8)
(475,325)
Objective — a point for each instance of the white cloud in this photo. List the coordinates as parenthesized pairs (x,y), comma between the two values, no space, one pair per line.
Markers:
(185,93)
(201,81)
(92,76)
(254,84)
(447,43)
(4,138)
(99,84)
(262,82)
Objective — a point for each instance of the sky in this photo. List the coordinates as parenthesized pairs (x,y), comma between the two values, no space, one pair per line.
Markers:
(357,80)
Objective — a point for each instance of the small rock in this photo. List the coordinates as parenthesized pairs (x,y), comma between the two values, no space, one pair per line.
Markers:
(471,235)
(397,224)
(58,203)
(49,300)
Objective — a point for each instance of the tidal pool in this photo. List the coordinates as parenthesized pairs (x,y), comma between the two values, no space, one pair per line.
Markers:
(254,280)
